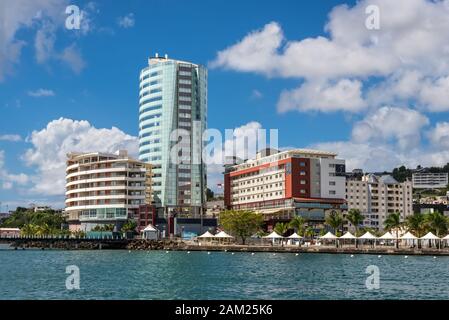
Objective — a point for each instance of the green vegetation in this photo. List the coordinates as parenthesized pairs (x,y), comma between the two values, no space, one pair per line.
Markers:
(298,224)
(104,228)
(36,223)
(393,221)
(241,223)
(129,225)
(281,228)
(209,194)
(335,220)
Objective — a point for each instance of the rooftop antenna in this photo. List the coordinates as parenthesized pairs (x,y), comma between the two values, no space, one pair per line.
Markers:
(166,56)
(157,55)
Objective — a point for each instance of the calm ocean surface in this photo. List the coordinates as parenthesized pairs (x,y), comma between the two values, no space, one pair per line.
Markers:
(35,274)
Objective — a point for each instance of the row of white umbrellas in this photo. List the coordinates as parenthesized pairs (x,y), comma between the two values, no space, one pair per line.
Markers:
(386,236)
(221,234)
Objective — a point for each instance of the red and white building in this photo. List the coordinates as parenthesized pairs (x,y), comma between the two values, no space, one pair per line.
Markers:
(280,185)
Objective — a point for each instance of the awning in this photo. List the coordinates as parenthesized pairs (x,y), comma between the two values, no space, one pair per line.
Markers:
(430,236)
(295,236)
(273,235)
(223,234)
(206,234)
(329,235)
(348,235)
(387,236)
(368,235)
(408,236)
(149,228)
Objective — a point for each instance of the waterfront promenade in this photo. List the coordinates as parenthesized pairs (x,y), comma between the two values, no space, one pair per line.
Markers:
(179,245)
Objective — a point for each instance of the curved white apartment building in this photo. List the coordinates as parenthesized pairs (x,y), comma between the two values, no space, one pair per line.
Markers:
(103,188)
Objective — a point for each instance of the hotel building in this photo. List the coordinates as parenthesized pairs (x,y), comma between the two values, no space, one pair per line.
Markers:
(378,196)
(280,185)
(173,95)
(103,188)
(429,180)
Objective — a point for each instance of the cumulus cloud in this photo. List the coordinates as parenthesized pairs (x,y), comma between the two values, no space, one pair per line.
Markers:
(411,42)
(127,21)
(51,145)
(72,57)
(45,17)
(41,93)
(400,124)
(10,137)
(439,135)
(7,179)
(343,95)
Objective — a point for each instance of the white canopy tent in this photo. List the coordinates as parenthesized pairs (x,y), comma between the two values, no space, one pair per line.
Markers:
(223,234)
(223,237)
(206,235)
(408,236)
(150,233)
(295,236)
(446,237)
(348,235)
(273,235)
(388,236)
(368,236)
(329,236)
(430,236)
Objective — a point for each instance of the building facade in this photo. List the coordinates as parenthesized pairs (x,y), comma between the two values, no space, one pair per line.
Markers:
(378,196)
(173,105)
(429,180)
(280,185)
(104,188)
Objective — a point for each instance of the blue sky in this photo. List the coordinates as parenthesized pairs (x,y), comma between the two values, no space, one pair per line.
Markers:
(92,74)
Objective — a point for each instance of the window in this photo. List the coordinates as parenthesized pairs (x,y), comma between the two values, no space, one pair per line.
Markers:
(303,182)
(332,192)
(302,164)
(302,173)
(332,183)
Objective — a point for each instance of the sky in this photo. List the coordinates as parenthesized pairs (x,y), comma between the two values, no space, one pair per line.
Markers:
(369,84)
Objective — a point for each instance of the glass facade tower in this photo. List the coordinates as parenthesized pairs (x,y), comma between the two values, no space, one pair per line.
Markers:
(173,96)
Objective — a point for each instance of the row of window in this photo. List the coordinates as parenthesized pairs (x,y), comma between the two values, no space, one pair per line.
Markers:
(159,98)
(150,133)
(153,116)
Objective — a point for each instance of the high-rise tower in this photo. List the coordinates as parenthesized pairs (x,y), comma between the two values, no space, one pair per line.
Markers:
(173,96)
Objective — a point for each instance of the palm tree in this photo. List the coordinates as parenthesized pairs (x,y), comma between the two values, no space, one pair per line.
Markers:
(416,223)
(355,217)
(393,221)
(334,220)
(437,223)
(309,232)
(298,223)
(281,228)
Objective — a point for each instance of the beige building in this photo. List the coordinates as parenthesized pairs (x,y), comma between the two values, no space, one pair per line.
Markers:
(104,188)
(378,196)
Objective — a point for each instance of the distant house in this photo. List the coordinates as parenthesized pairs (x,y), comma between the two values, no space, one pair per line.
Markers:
(9,232)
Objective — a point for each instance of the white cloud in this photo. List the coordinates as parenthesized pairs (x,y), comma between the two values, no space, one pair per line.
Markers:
(51,145)
(400,124)
(18,14)
(343,95)
(256,94)
(7,180)
(127,21)
(72,57)
(439,135)
(410,43)
(41,93)
(10,137)
(435,94)
(390,138)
